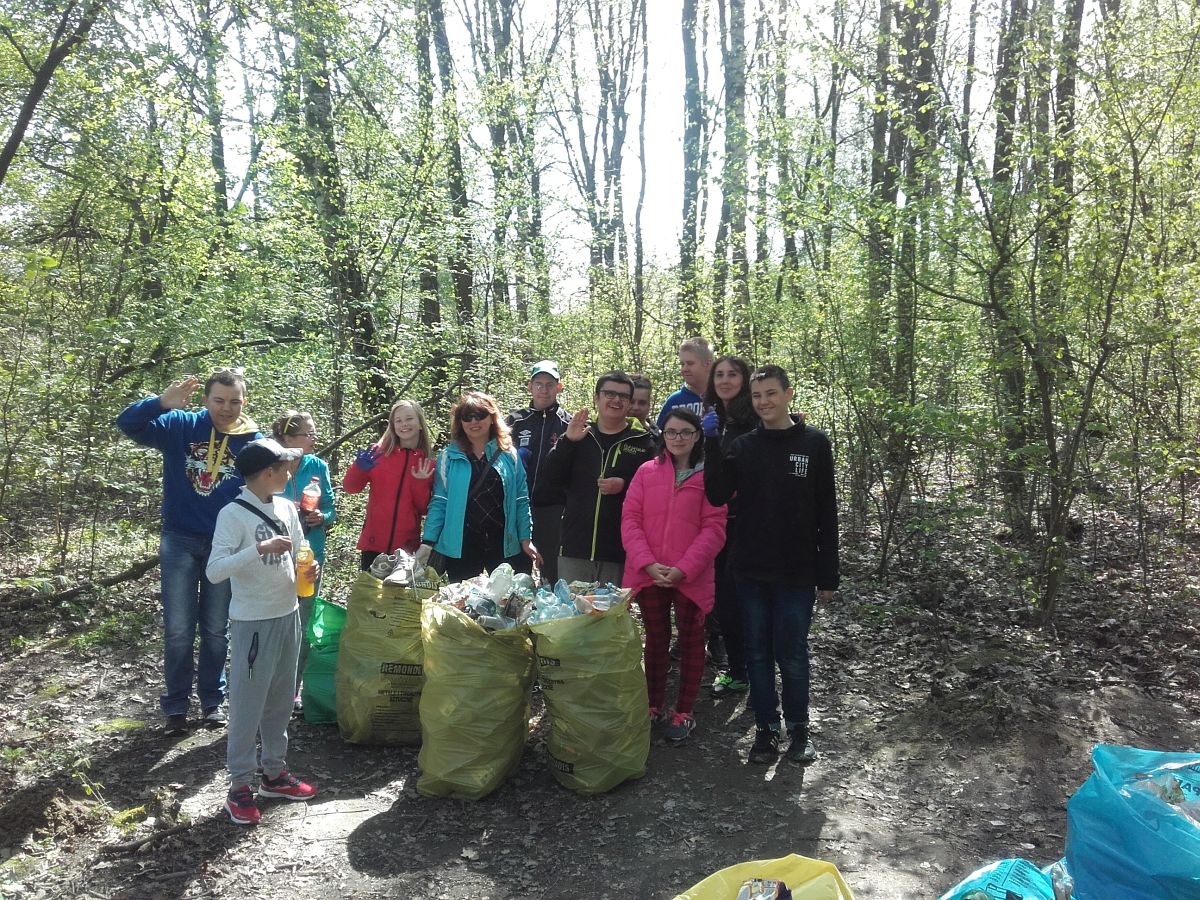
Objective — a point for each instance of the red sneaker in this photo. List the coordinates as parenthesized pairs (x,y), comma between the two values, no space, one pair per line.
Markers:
(287,786)
(241,806)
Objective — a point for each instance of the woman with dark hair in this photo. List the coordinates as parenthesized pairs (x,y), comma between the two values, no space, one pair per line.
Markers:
(479,515)
(732,416)
(671,534)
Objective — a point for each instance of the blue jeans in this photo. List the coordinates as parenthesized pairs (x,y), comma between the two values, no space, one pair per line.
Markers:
(190,602)
(776,619)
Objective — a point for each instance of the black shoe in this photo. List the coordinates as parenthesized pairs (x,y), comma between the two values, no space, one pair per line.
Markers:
(801,749)
(175,725)
(214,717)
(766,745)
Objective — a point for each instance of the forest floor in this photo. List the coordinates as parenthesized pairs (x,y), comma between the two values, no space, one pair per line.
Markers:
(951,730)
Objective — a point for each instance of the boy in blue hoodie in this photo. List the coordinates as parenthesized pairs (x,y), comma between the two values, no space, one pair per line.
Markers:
(199,478)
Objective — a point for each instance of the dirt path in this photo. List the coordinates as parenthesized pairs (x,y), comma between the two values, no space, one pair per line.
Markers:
(910,794)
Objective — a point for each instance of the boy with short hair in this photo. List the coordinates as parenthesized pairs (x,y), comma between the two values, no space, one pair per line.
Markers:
(643,396)
(253,547)
(695,359)
(785,552)
(535,430)
(199,478)
(593,464)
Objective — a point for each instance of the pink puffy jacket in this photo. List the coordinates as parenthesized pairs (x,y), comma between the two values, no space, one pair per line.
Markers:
(674,526)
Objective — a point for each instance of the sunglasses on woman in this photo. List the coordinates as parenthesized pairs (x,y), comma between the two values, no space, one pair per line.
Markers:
(474,415)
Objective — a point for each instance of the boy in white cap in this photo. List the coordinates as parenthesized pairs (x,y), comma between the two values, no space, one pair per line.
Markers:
(535,430)
(254,547)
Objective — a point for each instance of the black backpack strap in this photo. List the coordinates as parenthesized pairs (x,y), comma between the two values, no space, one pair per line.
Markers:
(275,526)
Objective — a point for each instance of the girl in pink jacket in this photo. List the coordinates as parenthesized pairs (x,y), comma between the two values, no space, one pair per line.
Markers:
(672,535)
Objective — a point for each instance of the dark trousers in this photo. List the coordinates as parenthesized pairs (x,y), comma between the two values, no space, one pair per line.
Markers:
(547,537)
(776,618)
(728,612)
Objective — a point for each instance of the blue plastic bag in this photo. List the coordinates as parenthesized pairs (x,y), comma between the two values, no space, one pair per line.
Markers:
(1004,879)
(1133,828)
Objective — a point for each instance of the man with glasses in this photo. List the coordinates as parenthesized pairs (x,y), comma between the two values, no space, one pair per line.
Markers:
(535,430)
(198,450)
(593,465)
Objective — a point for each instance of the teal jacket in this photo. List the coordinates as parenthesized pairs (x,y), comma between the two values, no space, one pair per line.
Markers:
(311,465)
(447,514)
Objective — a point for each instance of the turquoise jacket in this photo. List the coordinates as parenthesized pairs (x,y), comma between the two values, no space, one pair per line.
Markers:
(311,465)
(447,514)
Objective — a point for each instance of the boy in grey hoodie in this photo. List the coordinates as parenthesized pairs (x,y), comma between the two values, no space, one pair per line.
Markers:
(253,547)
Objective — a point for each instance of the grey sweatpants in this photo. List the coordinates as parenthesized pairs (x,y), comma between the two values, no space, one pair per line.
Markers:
(262,686)
(572,568)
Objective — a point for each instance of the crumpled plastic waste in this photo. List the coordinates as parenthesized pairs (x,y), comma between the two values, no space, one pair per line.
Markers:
(504,599)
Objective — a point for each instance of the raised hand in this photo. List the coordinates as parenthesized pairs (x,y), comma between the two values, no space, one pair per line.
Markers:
(366,459)
(424,469)
(179,393)
(578,427)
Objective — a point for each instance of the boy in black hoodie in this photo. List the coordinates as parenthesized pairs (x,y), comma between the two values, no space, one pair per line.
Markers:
(785,552)
(593,464)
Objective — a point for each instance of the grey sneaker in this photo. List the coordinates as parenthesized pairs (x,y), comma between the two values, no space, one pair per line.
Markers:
(382,566)
(214,717)
(679,726)
(801,749)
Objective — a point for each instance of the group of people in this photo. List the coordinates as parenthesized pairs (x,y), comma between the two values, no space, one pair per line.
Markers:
(721,513)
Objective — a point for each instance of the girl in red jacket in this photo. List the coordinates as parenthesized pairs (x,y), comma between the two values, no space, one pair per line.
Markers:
(399,469)
(672,535)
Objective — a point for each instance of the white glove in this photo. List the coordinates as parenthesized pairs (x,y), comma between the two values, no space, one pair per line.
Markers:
(423,553)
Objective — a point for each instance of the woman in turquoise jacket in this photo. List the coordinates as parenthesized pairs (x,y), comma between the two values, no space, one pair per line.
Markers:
(479,515)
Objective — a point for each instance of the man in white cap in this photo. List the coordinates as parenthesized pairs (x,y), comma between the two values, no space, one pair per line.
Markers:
(535,430)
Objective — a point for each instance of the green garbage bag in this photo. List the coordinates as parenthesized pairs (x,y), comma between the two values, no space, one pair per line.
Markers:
(590,670)
(475,707)
(324,633)
(380,671)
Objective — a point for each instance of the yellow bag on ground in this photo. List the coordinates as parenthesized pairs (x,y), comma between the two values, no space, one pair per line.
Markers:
(590,669)
(380,670)
(475,705)
(807,879)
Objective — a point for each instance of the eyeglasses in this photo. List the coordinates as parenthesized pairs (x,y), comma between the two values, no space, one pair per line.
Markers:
(543,385)
(474,415)
(680,434)
(307,434)
(616,395)
(230,370)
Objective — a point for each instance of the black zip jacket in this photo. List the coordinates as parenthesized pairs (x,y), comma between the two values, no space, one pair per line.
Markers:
(534,434)
(786,529)
(591,527)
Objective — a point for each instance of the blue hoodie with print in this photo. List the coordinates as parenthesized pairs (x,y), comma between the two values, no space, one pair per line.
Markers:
(198,473)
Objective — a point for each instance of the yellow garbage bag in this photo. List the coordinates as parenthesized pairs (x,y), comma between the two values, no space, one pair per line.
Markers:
(807,879)
(380,669)
(590,669)
(475,706)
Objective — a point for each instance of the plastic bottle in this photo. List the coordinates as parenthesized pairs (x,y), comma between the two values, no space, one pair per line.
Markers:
(305,585)
(310,497)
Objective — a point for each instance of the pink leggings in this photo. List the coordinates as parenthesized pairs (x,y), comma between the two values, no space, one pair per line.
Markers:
(656,606)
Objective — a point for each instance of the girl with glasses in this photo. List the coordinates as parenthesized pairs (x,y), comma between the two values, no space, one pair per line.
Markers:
(298,430)
(479,516)
(399,469)
(671,535)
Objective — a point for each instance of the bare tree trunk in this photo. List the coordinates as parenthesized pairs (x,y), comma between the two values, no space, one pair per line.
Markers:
(639,255)
(427,253)
(693,114)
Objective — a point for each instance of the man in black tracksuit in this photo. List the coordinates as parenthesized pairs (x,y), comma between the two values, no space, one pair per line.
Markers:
(785,551)
(535,431)
(594,463)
